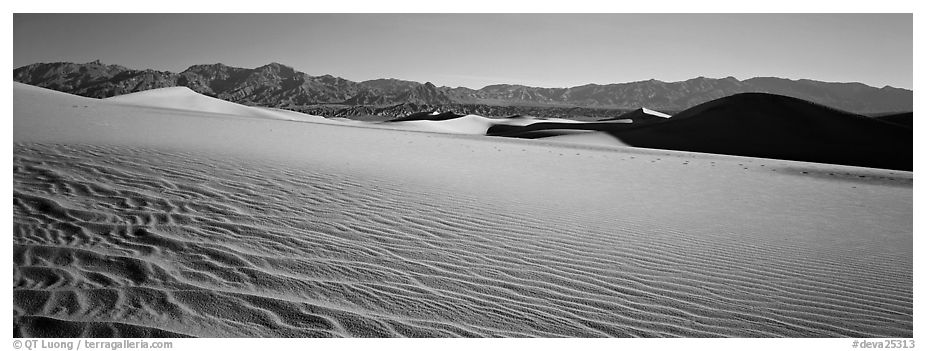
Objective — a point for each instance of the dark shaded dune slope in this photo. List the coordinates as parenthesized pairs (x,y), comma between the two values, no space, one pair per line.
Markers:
(760,125)
(904,119)
(780,127)
(638,116)
(544,129)
(427,116)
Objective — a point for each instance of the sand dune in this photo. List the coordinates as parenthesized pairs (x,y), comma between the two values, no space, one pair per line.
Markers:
(577,132)
(451,123)
(549,129)
(182,98)
(641,115)
(904,119)
(775,126)
(427,116)
(754,125)
(469,124)
(145,222)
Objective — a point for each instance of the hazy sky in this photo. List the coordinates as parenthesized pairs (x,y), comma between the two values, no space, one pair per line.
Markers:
(474,50)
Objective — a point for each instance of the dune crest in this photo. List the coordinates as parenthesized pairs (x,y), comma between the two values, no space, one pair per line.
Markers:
(183,98)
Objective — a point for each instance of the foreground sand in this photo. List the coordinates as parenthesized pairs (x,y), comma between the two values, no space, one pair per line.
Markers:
(139,221)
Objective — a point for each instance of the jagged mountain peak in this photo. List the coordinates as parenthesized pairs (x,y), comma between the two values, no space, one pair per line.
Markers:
(274,65)
(214,66)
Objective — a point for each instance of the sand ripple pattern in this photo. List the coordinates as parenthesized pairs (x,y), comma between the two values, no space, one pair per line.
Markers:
(136,242)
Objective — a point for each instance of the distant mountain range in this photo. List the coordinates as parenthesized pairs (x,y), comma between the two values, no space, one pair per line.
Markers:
(277,85)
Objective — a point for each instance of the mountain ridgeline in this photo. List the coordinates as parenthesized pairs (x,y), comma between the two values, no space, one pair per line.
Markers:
(277,85)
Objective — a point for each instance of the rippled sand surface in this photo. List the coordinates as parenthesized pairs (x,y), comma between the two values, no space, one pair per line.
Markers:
(142,241)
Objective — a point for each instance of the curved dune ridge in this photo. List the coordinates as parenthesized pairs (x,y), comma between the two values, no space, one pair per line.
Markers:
(427,116)
(642,114)
(183,98)
(133,221)
(451,123)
